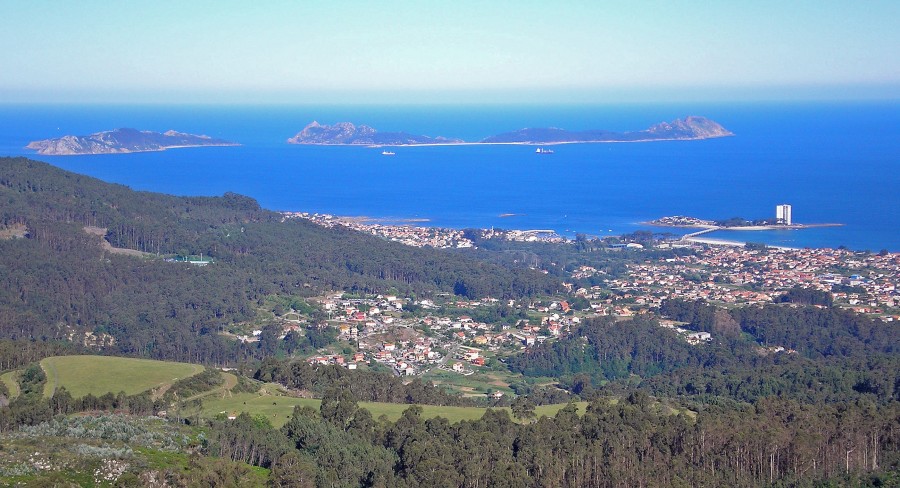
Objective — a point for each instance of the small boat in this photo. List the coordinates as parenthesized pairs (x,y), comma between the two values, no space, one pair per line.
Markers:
(542,150)
(388,153)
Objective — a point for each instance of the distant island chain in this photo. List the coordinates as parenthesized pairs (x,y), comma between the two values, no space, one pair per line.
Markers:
(126,140)
(690,128)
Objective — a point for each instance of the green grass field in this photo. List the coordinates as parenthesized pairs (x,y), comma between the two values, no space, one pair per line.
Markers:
(278,408)
(104,374)
(477,384)
(10,379)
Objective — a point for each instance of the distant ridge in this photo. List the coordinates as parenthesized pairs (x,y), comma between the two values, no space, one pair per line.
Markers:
(121,141)
(690,128)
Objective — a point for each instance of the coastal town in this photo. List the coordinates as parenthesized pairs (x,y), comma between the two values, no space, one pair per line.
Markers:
(421,236)
(727,273)
(444,336)
(863,281)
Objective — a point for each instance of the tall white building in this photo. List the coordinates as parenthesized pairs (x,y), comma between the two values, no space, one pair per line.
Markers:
(783,214)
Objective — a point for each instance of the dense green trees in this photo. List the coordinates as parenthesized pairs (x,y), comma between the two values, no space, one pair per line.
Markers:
(634,442)
(807,353)
(605,349)
(807,296)
(822,410)
(358,385)
(66,284)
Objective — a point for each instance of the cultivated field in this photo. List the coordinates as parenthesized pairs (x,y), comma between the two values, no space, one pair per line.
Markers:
(104,374)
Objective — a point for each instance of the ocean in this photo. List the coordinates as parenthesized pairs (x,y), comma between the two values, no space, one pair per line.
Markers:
(833,162)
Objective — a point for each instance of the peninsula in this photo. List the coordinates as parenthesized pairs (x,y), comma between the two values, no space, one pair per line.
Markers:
(121,141)
(734,223)
(344,133)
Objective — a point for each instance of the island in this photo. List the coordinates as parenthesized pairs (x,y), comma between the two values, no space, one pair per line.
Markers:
(345,133)
(121,141)
(690,128)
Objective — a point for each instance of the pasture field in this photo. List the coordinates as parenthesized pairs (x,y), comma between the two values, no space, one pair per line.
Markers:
(98,375)
(278,408)
(474,385)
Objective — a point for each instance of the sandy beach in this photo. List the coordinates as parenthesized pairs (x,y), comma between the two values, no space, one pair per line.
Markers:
(726,242)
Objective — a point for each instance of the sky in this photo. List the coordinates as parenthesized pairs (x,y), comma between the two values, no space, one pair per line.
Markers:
(462,51)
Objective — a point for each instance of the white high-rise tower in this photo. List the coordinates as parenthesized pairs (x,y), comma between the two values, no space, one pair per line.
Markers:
(783,214)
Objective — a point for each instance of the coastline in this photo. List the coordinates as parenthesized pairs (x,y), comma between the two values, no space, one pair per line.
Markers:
(781,227)
(745,227)
(161,149)
(521,143)
(725,242)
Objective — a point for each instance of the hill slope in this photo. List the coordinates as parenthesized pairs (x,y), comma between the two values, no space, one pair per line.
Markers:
(66,284)
(98,375)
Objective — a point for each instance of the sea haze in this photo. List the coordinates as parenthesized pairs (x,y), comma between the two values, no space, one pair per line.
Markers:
(832,162)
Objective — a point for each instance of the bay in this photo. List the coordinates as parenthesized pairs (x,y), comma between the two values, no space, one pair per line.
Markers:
(834,162)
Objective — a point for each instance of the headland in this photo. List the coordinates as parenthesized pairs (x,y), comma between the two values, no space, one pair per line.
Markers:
(122,141)
(734,224)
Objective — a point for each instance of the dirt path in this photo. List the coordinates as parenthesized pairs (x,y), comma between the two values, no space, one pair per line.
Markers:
(159,391)
(49,368)
(230,382)
(101,233)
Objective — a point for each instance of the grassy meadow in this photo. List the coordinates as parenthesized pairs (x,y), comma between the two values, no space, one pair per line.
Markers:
(10,379)
(278,408)
(104,374)
(98,375)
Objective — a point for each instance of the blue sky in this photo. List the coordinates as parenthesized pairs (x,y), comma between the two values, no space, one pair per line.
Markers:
(462,51)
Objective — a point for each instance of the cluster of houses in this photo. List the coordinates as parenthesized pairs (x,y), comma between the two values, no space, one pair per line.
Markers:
(436,237)
(412,345)
(691,337)
(739,275)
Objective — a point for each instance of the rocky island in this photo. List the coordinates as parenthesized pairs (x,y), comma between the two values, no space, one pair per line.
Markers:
(690,128)
(345,133)
(120,141)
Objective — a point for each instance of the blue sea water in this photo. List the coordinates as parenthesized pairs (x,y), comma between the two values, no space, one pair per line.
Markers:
(834,162)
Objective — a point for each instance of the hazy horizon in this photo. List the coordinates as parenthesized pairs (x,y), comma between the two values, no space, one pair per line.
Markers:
(502,52)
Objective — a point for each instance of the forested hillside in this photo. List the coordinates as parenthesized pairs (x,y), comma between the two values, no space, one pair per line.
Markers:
(794,393)
(63,282)
(809,354)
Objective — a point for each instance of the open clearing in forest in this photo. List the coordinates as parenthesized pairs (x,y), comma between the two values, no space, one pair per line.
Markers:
(101,233)
(278,408)
(477,384)
(98,375)
(10,379)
